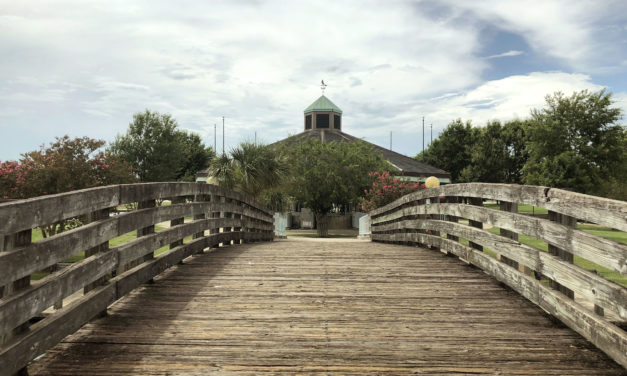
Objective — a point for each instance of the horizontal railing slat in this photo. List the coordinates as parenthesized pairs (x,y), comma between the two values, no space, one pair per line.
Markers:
(605,252)
(47,252)
(603,211)
(36,298)
(39,211)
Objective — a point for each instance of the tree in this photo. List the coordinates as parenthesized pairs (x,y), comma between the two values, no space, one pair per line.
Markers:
(68,164)
(385,189)
(575,143)
(257,168)
(324,175)
(159,151)
(451,151)
(197,156)
(251,168)
(498,154)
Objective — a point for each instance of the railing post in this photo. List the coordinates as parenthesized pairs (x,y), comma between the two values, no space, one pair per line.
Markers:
(200,198)
(9,243)
(567,221)
(433,201)
(176,221)
(103,247)
(511,207)
(239,216)
(215,201)
(478,201)
(452,218)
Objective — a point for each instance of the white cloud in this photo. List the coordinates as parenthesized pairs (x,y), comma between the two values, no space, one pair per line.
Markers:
(506,54)
(84,68)
(576,32)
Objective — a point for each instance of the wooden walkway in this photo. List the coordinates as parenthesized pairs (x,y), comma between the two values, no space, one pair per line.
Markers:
(324,307)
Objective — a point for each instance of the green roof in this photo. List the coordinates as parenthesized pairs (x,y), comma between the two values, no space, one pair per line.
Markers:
(323,104)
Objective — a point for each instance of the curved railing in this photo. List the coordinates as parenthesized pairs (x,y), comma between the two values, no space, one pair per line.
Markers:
(451,219)
(35,316)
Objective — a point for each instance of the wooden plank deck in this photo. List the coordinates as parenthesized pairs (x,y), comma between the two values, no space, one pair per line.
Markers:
(324,307)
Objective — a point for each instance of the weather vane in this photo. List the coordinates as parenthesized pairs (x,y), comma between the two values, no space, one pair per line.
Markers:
(322,86)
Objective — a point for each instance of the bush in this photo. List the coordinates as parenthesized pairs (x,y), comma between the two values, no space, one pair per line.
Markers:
(385,189)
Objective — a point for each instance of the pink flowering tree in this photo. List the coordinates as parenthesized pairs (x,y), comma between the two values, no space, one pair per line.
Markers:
(66,165)
(385,189)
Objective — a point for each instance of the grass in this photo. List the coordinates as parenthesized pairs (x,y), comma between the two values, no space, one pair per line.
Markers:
(522,209)
(129,236)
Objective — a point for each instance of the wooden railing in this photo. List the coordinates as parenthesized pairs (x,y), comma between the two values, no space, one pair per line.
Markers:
(35,316)
(452,219)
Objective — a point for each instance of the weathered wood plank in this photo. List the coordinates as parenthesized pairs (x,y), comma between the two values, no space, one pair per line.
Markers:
(32,301)
(141,246)
(605,252)
(44,253)
(44,210)
(606,212)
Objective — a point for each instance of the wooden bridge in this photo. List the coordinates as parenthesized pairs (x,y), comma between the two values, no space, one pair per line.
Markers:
(444,296)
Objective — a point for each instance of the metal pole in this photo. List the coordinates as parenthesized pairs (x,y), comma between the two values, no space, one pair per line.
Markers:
(430,142)
(222,135)
(215,138)
(423,138)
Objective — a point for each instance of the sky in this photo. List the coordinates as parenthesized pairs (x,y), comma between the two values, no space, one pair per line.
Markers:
(83,68)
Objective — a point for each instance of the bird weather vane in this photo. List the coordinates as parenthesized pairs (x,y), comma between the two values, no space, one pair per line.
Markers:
(322,86)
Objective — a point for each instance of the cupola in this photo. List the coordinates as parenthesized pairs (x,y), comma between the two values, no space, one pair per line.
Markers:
(323,114)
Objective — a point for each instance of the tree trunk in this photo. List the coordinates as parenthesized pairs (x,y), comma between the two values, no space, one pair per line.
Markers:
(322,225)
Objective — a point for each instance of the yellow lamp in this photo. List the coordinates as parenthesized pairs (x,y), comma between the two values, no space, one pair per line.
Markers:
(432,182)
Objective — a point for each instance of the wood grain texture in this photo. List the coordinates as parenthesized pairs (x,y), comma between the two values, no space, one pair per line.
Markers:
(603,211)
(324,307)
(605,252)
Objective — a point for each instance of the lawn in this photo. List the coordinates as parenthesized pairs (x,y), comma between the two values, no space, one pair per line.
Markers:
(522,209)
(129,236)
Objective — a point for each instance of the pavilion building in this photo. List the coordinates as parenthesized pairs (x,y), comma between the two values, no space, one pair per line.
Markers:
(323,121)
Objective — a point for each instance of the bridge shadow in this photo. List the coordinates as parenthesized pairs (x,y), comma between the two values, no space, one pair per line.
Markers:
(143,323)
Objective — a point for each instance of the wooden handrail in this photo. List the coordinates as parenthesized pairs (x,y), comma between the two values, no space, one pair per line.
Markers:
(586,302)
(34,317)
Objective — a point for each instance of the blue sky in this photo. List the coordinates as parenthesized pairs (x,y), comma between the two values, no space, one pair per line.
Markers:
(84,68)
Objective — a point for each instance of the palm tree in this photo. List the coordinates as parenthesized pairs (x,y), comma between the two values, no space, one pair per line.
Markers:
(251,168)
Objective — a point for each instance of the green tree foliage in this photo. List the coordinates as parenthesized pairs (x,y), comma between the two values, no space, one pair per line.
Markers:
(326,174)
(250,167)
(197,156)
(574,143)
(498,154)
(66,165)
(451,151)
(158,151)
